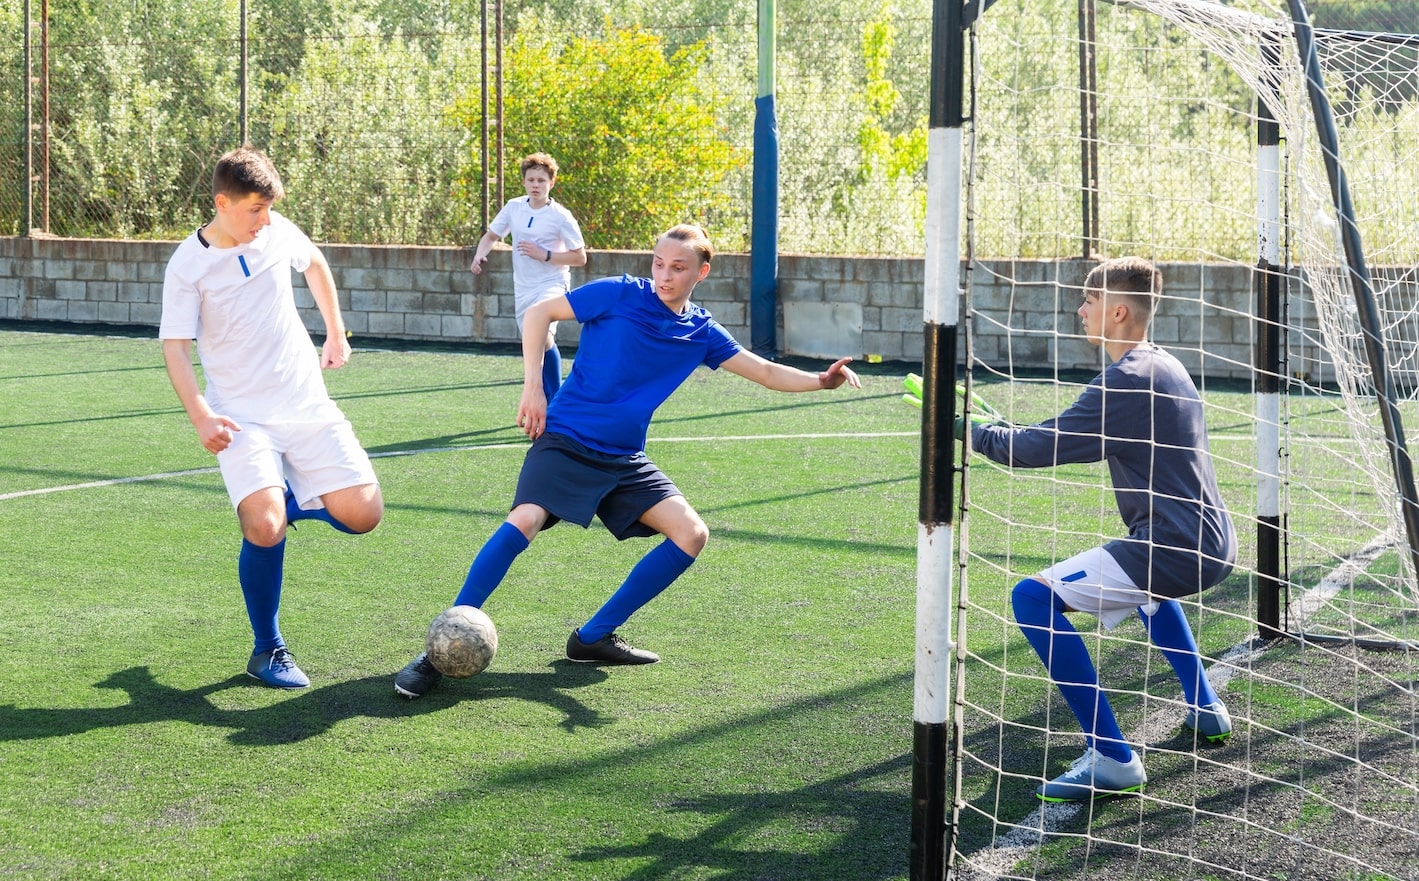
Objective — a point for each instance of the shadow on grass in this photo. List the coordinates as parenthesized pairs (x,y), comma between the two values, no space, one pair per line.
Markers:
(308,714)
(90,418)
(867,824)
(847,826)
(501,436)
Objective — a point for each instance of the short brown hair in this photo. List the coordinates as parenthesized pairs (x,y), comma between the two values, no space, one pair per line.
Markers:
(244,171)
(540,160)
(694,237)
(1133,276)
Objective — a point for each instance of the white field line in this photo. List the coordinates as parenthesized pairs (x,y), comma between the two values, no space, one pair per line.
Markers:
(167,475)
(997,860)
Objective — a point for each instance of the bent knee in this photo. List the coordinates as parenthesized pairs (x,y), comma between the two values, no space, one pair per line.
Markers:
(359,508)
(691,537)
(363,521)
(528,519)
(264,532)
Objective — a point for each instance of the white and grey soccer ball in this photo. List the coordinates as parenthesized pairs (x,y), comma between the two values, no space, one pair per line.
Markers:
(462,641)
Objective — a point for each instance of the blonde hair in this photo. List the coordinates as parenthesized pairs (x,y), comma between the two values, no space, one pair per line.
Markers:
(694,237)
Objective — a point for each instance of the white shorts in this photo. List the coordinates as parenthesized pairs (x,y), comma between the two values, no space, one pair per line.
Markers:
(1094,582)
(314,457)
(522,301)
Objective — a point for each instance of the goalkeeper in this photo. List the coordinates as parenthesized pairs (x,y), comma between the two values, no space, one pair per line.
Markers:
(1143,416)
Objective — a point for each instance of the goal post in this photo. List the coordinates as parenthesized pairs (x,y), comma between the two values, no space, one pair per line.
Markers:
(936,548)
(1270,361)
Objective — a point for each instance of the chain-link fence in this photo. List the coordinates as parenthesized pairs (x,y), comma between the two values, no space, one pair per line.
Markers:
(379,115)
(402,121)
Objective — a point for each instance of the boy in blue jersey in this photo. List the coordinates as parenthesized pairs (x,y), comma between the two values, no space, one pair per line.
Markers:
(640,339)
(285,449)
(1143,416)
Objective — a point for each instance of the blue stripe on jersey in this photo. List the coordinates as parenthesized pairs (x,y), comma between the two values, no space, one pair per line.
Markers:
(244,270)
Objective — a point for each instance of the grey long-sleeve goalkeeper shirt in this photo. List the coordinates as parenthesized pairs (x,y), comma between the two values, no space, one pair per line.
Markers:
(1144,416)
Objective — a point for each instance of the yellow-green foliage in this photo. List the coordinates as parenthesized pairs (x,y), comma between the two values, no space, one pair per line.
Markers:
(633,127)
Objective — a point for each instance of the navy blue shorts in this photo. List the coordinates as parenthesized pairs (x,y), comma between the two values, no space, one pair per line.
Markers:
(574,483)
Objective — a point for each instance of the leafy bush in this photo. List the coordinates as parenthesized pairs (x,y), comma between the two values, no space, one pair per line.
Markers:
(634,129)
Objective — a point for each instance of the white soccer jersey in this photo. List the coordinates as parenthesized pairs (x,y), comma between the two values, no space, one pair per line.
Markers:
(239,305)
(552,227)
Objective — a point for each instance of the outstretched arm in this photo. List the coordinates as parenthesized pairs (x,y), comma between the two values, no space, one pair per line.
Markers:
(1076,435)
(782,378)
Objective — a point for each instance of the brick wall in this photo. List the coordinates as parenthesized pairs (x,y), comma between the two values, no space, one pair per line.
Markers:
(1024,310)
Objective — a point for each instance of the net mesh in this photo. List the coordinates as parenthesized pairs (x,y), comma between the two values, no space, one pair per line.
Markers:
(1320,779)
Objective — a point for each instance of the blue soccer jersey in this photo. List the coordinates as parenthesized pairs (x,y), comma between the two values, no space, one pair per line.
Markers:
(633,353)
(1144,417)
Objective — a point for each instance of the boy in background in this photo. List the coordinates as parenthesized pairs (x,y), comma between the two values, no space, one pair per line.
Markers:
(546,243)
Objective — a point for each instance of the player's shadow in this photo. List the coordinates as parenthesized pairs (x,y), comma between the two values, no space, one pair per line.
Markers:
(307,714)
(548,688)
(862,817)
(497,436)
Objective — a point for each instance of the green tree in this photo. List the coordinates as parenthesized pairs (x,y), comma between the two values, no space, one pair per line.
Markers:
(12,120)
(363,140)
(635,129)
(1401,16)
(140,96)
(853,144)
(883,152)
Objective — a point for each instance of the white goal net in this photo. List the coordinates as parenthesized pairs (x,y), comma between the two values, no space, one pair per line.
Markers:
(1100,130)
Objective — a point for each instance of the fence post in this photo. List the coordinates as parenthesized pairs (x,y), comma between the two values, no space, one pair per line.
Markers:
(1088,127)
(29,128)
(44,112)
(241,68)
(763,237)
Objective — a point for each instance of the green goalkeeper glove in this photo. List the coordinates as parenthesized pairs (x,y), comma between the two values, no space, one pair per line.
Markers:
(980,406)
(913,386)
(974,419)
(982,413)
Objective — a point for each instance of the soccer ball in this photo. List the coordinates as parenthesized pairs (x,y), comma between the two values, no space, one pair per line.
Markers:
(461,641)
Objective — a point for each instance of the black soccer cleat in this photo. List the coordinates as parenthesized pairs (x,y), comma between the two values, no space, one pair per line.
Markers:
(609,649)
(417,678)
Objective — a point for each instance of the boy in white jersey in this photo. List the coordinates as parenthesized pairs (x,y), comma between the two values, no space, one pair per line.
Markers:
(285,449)
(546,242)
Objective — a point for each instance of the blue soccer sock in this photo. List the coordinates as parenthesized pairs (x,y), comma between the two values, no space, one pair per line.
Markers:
(1040,613)
(491,564)
(655,572)
(295,512)
(551,372)
(1168,630)
(260,570)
